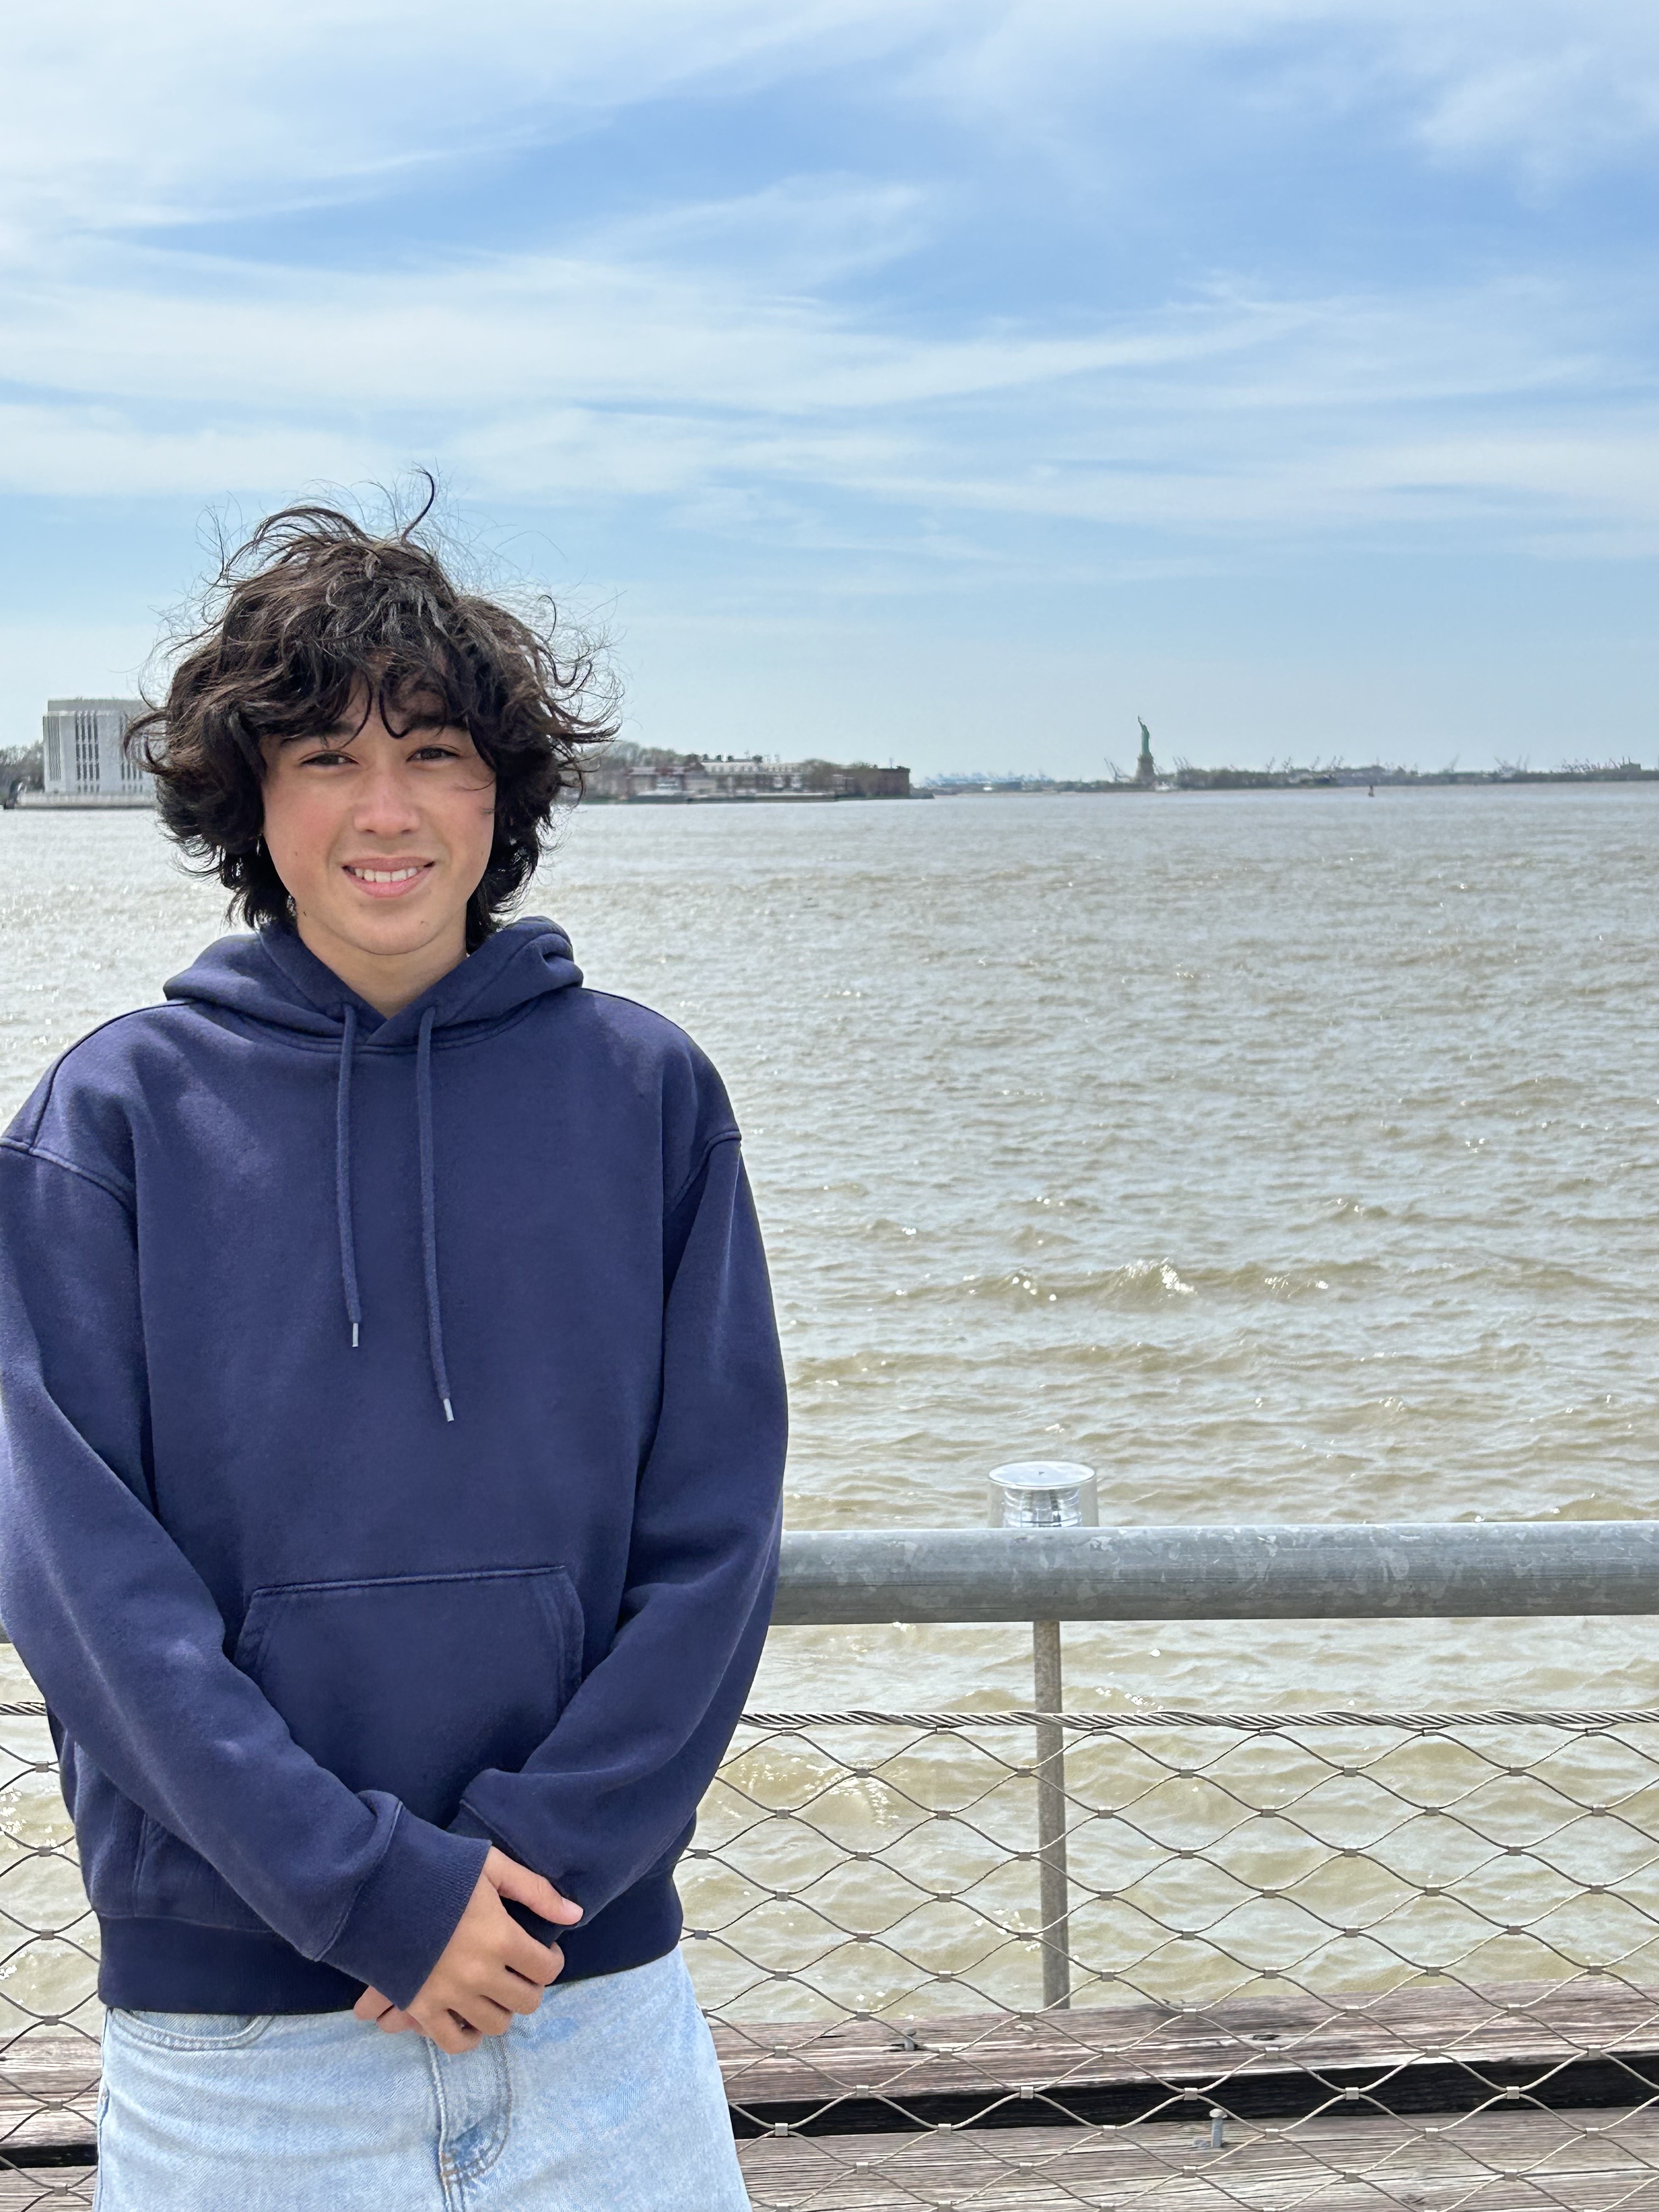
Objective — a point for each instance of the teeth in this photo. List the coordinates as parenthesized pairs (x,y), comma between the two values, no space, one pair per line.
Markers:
(384,875)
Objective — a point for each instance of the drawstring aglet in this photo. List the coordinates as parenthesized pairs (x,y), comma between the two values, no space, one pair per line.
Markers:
(449,1411)
(354,1336)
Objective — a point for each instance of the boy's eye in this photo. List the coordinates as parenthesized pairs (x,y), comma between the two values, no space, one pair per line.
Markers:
(326,758)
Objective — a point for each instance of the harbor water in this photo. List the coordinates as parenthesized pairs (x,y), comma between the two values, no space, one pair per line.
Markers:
(1284,1157)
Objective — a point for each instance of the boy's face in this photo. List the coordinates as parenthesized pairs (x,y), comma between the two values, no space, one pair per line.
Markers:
(380,839)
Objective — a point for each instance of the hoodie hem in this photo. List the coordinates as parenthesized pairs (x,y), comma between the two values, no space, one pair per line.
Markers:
(642,1924)
(177,1966)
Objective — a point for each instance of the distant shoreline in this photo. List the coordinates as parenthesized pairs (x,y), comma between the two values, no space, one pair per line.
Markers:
(81,802)
(1246,780)
(1225,781)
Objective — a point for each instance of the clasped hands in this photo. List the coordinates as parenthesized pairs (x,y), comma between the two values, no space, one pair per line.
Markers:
(488,1970)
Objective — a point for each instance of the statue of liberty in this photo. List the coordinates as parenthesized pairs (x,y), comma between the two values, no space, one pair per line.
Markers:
(1145,771)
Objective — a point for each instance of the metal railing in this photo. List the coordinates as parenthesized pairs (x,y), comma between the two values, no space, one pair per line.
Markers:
(1172,1959)
(1018,1959)
(1447,1571)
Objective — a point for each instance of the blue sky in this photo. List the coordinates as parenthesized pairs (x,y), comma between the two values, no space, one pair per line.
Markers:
(944,381)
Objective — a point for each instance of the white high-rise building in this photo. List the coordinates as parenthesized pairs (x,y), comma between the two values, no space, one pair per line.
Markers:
(82,754)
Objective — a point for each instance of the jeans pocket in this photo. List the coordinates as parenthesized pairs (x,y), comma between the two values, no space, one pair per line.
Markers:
(189,2030)
(414,1684)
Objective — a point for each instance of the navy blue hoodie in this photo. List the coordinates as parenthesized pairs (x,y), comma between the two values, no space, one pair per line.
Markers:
(393,1433)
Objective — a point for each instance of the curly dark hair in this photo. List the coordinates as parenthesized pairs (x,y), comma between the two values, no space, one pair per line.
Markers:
(312,606)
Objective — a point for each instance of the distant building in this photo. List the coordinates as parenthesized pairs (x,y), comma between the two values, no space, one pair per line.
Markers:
(693,776)
(81,755)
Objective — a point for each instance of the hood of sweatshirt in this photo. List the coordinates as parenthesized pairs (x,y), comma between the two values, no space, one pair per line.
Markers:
(273,980)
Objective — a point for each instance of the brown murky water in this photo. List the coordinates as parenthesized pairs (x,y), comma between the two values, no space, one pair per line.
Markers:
(1283,1156)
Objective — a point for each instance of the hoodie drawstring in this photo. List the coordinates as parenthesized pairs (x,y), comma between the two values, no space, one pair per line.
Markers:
(434,1312)
(434,1317)
(342,1177)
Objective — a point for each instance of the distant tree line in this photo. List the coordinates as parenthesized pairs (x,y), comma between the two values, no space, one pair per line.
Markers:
(624,769)
(22,767)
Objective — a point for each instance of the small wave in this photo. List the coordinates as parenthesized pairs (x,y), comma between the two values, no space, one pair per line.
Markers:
(1139,1285)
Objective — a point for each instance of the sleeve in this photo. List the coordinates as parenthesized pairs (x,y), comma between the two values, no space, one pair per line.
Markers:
(615,1785)
(125,1640)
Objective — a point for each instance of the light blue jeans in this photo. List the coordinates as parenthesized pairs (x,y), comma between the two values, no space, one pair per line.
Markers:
(607,2098)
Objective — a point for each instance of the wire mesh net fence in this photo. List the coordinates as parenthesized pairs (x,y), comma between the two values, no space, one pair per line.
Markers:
(1321,1959)
(50,2018)
(1306,1959)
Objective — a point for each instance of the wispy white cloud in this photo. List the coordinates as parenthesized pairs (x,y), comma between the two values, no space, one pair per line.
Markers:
(796,235)
(1548,88)
(602,381)
(718,356)
(102,452)
(478,333)
(1555,89)
(123,114)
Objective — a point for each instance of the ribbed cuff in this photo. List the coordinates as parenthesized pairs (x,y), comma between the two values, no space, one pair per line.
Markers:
(409,1908)
(467,1823)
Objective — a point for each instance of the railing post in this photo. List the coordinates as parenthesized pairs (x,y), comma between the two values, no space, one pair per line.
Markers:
(1051,1883)
(1047,1493)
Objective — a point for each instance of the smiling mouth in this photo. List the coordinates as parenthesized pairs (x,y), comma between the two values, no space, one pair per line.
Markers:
(404,872)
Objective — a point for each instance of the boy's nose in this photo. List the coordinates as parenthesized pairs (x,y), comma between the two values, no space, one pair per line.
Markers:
(385,805)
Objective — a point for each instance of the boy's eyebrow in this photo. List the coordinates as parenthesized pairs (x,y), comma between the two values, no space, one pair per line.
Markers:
(436,720)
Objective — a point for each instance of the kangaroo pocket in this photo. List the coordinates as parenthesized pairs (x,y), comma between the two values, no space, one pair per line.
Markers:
(415,1683)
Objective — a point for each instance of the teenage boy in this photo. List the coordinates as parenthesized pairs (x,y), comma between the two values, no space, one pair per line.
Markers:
(393,1432)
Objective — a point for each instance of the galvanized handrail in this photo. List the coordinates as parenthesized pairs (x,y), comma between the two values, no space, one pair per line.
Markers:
(1457,1570)
(1324,1571)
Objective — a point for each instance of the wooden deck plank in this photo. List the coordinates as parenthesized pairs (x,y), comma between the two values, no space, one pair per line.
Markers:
(1528,2162)
(1149,2044)
(50,2189)
(1593,2160)
(48,2091)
